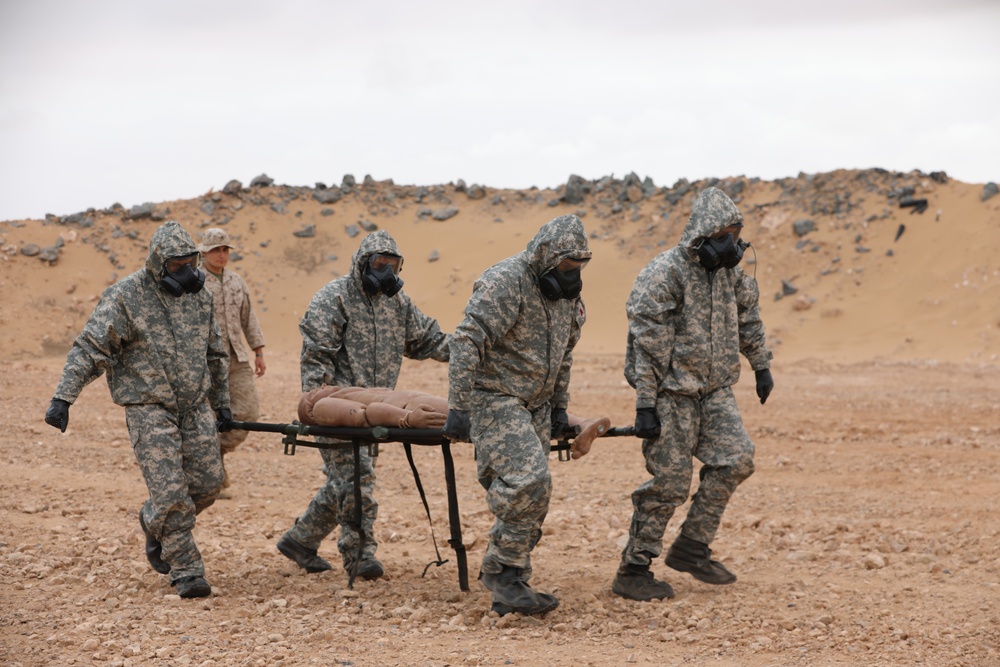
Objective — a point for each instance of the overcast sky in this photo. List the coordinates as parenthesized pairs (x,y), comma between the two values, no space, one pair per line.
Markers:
(133,101)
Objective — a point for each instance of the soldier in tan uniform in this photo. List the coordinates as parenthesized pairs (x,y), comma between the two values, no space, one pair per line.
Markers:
(234,312)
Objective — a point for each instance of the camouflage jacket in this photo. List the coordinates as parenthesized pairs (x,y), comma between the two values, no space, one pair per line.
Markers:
(351,339)
(154,347)
(513,341)
(688,325)
(234,312)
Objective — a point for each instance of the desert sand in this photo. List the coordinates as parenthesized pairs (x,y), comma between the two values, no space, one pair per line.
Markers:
(868,535)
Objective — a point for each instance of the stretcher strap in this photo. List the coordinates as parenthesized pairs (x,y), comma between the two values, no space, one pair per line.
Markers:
(454,519)
(358,523)
(423,498)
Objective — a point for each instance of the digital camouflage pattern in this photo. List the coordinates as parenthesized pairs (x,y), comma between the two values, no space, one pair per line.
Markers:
(513,340)
(235,315)
(510,365)
(180,461)
(154,347)
(167,364)
(687,328)
(352,339)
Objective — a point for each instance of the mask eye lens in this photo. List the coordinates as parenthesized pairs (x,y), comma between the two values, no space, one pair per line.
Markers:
(175,264)
(571,265)
(733,231)
(379,262)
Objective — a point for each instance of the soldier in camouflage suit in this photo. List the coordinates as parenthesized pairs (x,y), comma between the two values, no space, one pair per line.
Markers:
(692,311)
(508,392)
(154,333)
(356,332)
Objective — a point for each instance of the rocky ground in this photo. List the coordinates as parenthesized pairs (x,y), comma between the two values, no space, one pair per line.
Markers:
(869,535)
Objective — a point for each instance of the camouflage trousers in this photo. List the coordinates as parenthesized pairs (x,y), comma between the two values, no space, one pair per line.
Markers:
(709,429)
(243,402)
(512,460)
(334,504)
(180,462)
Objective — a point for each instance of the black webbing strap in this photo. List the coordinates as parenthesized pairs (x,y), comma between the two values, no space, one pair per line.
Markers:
(454,518)
(423,498)
(358,523)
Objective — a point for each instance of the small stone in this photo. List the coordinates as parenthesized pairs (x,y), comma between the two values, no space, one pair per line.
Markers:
(873,561)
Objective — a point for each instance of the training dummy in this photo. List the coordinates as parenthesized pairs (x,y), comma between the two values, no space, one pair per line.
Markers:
(377,406)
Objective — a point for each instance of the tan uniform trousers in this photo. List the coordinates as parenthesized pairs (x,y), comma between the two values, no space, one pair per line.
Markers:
(243,402)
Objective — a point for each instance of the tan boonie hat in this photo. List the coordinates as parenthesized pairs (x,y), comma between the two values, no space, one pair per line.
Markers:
(214,238)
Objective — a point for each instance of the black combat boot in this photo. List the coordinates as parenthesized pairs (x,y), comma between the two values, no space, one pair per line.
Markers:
(305,557)
(687,555)
(154,550)
(636,582)
(512,593)
(369,568)
(545,598)
(192,587)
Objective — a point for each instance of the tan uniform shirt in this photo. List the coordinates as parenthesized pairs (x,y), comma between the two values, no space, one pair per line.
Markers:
(234,312)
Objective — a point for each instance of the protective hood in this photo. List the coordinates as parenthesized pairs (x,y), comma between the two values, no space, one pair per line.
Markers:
(711,212)
(376,243)
(170,240)
(558,239)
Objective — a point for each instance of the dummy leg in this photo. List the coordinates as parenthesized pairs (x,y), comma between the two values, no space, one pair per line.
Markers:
(588,431)
(331,411)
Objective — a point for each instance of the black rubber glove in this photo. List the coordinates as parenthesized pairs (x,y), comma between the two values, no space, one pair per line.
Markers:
(223,420)
(58,414)
(457,426)
(647,424)
(765,383)
(560,422)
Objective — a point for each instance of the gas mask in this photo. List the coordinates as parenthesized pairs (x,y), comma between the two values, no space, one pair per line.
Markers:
(380,275)
(557,284)
(186,280)
(725,252)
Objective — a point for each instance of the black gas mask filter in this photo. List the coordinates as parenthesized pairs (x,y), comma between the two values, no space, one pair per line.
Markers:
(726,252)
(186,280)
(556,284)
(383,279)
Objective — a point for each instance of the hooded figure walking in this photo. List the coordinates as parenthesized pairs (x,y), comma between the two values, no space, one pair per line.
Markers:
(691,313)
(508,392)
(356,331)
(155,335)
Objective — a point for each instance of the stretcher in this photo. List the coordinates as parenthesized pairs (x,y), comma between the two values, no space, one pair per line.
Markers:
(297,435)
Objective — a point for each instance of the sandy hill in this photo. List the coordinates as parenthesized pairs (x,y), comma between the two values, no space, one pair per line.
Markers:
(847,271)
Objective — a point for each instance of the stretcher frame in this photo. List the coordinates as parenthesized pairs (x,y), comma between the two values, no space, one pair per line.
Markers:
(295,435)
